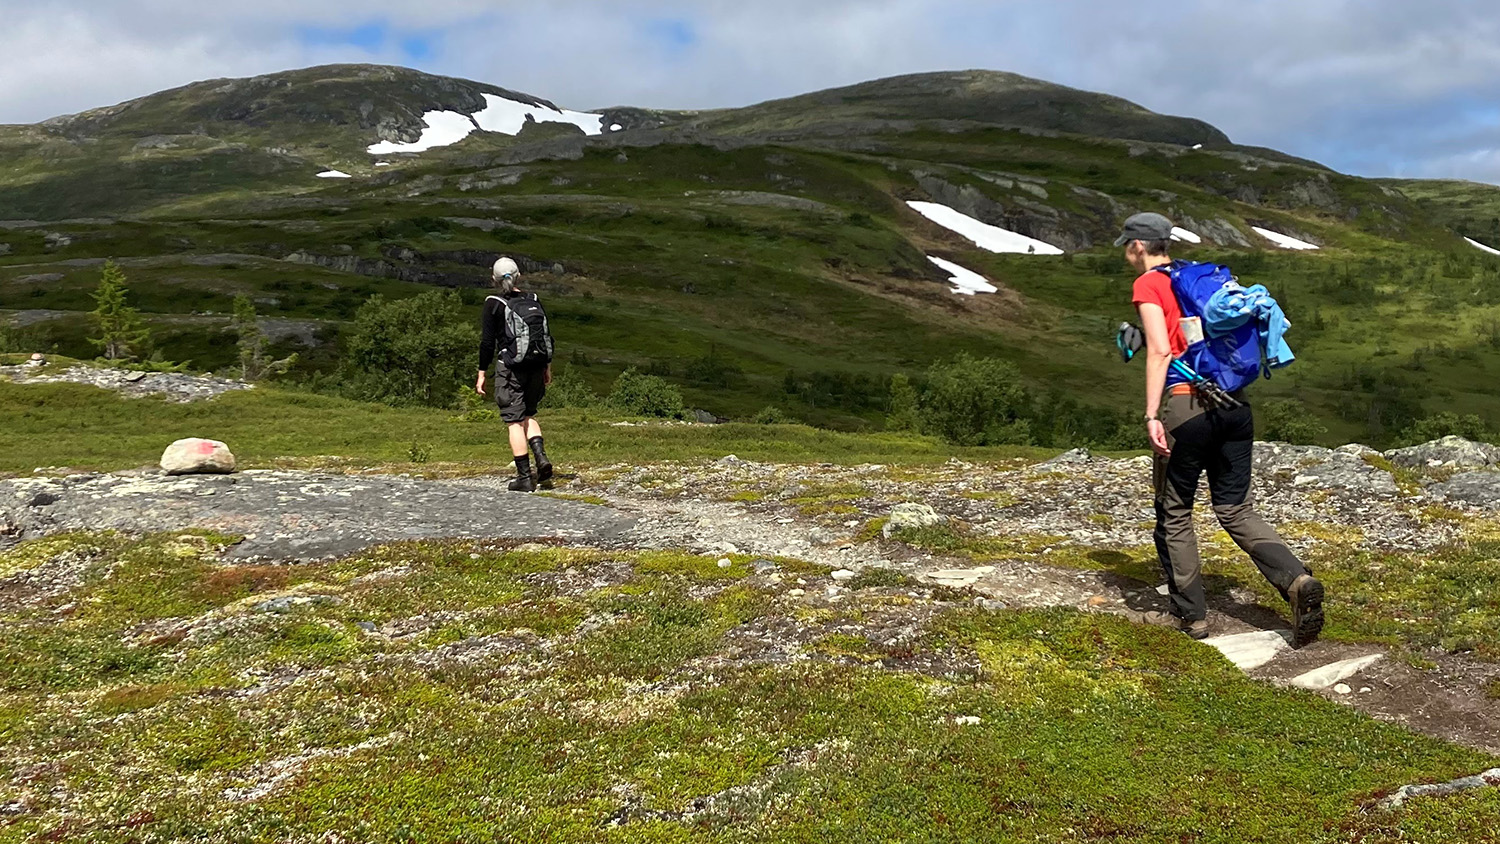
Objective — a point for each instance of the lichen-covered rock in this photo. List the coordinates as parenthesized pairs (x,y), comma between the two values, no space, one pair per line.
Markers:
(1481,489)
(912,516)
(1447,453)
(197,457)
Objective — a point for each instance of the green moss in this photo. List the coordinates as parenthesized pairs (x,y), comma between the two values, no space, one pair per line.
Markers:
(876,577)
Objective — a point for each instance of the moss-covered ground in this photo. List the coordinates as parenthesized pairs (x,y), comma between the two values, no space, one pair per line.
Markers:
(474,692)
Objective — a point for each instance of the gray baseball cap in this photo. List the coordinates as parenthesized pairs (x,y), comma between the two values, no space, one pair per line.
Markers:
(1147,226)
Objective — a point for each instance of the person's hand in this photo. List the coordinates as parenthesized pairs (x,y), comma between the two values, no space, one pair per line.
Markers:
(1158,434)
(479,384)
(547,377)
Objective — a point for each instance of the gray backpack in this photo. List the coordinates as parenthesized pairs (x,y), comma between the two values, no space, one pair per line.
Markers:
(528,338)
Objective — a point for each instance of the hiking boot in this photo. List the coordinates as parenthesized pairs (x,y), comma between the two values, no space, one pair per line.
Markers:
(1199,629)
(1306,598)
(543,465)
(523,483)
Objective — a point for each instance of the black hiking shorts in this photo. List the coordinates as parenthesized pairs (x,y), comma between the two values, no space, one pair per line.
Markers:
(518,392)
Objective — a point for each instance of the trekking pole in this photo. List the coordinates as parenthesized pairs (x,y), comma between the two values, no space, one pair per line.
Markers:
(1211,392)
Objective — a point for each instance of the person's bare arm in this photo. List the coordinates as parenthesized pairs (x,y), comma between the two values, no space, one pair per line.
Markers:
(1158,361)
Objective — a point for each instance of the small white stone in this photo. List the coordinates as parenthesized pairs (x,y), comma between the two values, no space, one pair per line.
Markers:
(1343,689)
(1366,690)
(725,563)
(845,574)
(797,593)
(966,720)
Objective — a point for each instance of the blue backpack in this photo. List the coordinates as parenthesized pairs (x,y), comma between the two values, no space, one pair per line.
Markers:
(1231,359)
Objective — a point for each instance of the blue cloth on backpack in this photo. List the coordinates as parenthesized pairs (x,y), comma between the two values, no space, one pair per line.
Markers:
(1233,306)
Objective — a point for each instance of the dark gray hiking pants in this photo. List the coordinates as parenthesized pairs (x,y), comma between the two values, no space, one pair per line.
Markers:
(1219,443)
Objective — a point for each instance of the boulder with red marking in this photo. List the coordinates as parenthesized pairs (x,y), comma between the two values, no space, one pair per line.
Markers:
(197,457)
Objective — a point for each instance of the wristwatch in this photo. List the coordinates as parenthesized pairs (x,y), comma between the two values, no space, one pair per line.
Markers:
(1150,419)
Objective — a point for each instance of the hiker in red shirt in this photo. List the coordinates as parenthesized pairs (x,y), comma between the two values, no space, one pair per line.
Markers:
(1193,436)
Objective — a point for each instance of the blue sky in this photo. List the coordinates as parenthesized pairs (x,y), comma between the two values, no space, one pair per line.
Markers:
(1374,87)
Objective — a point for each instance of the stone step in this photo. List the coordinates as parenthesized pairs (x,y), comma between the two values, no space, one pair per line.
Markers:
(1249,651)
(1319,679)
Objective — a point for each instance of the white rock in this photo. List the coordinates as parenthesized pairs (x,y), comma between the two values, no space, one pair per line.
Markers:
(197,457)
(910,516)
(797,593)
(1336,672)
(1249,651)
(1343,689)
(725,563)
(966,720)
(845,574)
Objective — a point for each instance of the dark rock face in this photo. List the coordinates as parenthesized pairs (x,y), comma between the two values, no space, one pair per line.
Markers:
(1027,217)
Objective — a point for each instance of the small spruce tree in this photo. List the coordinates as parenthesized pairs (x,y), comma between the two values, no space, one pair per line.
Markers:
(904,414)
(123,335)
(252,341)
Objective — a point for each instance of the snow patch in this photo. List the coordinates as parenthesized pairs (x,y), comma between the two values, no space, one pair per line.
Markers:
(984,235)
(334,174)
(444,128)
(616,128)
(508,117)
(1282,240)
(1477,245)
(1180,233)
(505,116)
(382,164)
(965,282)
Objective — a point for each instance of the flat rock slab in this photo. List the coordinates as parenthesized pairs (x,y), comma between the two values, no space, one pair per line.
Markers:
(297,515)
(1335,672)
(1249,651)
(959,577)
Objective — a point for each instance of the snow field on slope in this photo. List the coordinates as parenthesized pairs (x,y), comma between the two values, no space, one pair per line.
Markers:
(1477,245)
(1282,240)
(964,281)
(1180,233)
(334,174)
(984,235)
(507,117)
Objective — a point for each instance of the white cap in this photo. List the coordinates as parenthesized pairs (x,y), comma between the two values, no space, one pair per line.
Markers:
(506,267)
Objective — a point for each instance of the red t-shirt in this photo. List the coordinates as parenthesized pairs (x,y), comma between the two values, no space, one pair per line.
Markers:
(1155,288)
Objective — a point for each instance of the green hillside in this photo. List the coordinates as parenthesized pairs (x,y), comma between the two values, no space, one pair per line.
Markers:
(755,256)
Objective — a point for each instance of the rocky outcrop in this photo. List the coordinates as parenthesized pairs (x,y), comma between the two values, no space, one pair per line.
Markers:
(1348,468)
(1447,453)
(172,386)
(1025,216)
(195,456)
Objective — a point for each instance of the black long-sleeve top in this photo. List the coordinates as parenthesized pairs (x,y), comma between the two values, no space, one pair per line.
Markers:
(492,331)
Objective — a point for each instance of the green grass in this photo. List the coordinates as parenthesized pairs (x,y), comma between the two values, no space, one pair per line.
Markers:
(493,712)
(87,428)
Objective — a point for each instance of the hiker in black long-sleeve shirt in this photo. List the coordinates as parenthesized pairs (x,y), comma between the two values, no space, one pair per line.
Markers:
(515,325)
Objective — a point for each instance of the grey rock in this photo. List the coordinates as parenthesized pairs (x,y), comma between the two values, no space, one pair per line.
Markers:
(56,240)
(1077,455)
(197,457)
(367,626)
(763,566)
(703,417)
(4,248)
(1321,468)
(911,516)
(42,499)
(300,515)
(173,386)
(1446,453)
(1481,489)
(288,603)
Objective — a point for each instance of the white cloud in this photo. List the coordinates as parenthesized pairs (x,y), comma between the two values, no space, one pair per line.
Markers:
(1377,86)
